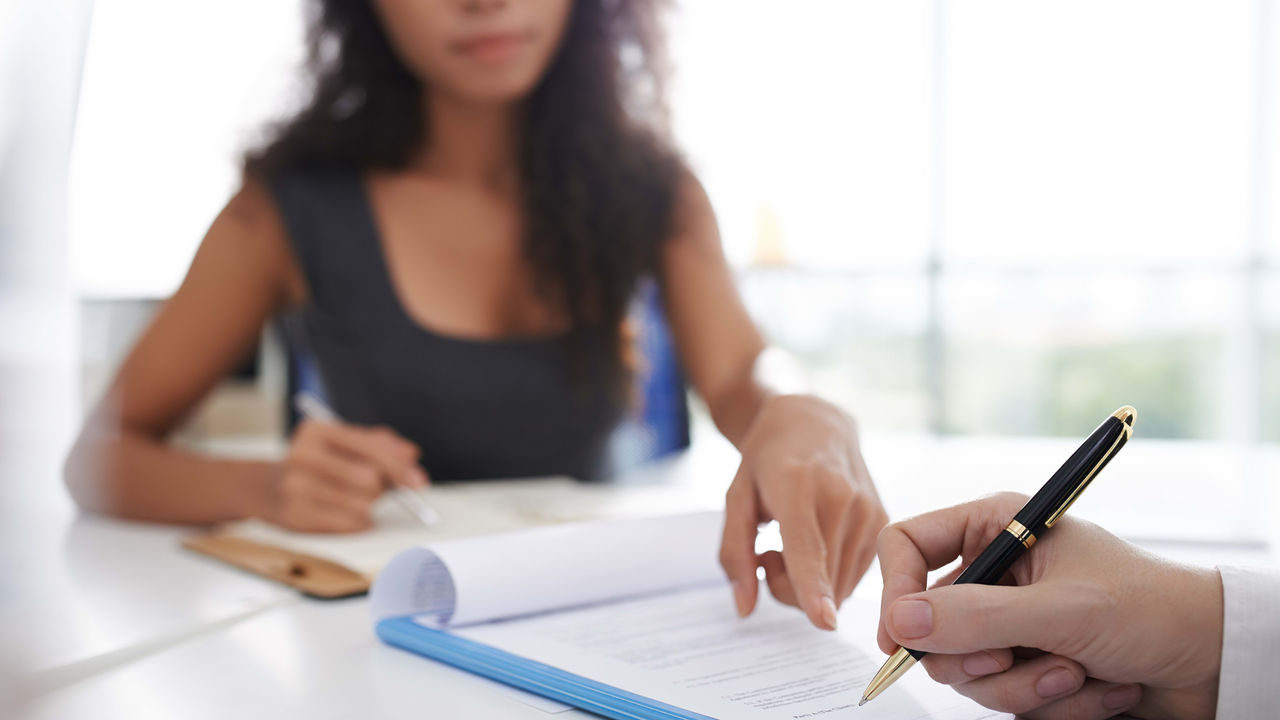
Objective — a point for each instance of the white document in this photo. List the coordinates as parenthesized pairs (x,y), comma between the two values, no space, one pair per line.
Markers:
(480,579)
(642,605)
(690,649)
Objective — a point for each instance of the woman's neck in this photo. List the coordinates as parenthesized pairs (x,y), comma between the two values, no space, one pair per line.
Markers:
(470,142)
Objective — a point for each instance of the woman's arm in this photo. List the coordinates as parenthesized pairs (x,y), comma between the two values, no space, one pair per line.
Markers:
(801,463)
(717,341)
(122,463)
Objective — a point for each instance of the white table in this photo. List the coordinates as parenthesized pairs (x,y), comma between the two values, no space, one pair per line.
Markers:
(84,593)
(309,659)
(133,626)
(111,590)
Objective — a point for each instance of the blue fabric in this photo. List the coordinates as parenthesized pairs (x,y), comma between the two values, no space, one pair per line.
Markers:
(666,408)
(660,427)
(527,674)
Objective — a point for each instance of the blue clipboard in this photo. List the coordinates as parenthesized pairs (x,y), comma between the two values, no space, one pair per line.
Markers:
(527,674)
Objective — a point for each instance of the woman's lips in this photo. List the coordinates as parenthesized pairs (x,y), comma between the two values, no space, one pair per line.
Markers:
(492,49)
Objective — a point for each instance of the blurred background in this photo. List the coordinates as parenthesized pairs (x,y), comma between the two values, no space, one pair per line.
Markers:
(979,224)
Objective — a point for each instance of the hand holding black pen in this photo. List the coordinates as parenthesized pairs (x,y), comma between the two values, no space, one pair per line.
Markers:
(1039,514)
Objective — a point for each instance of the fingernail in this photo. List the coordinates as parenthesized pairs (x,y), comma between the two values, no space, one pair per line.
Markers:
(829,612)
(417,478)
(981,663)
(1122,698)
(913,618)
(1056,682)
(739,601)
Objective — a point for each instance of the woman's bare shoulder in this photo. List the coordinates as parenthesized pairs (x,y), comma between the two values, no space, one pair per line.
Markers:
(693,220)
(252,229)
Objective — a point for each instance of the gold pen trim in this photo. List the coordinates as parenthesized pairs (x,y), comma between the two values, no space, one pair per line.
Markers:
(1127,415)
(1020,531)
(893,668)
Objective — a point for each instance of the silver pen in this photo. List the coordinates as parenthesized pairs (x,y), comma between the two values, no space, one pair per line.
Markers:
(410,499)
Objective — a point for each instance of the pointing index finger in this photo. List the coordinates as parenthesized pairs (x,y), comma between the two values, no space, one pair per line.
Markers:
(738,544)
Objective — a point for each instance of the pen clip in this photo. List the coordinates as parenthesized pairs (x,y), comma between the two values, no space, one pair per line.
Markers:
(1126,415)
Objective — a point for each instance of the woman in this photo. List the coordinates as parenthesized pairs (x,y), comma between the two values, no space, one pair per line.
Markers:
(460,215)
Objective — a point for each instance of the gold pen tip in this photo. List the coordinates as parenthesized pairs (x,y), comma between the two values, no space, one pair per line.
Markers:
(1127,415)
(862,702)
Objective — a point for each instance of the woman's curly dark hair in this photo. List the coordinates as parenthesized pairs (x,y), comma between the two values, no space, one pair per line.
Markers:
(598,174)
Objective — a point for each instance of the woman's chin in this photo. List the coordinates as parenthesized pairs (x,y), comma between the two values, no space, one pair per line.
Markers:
(500,86)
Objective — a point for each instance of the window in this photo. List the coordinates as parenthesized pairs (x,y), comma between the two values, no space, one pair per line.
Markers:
(811,125)
(172,93)
(1000,217)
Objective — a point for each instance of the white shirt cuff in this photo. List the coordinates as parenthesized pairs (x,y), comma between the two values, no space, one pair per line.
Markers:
(1248,688)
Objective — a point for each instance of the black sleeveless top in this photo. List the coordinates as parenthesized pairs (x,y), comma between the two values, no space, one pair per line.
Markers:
(478,408)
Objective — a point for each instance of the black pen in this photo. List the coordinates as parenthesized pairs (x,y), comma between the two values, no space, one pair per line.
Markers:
(1038,515)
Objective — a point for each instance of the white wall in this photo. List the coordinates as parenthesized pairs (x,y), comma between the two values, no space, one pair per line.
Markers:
(41,44)
(41,49)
